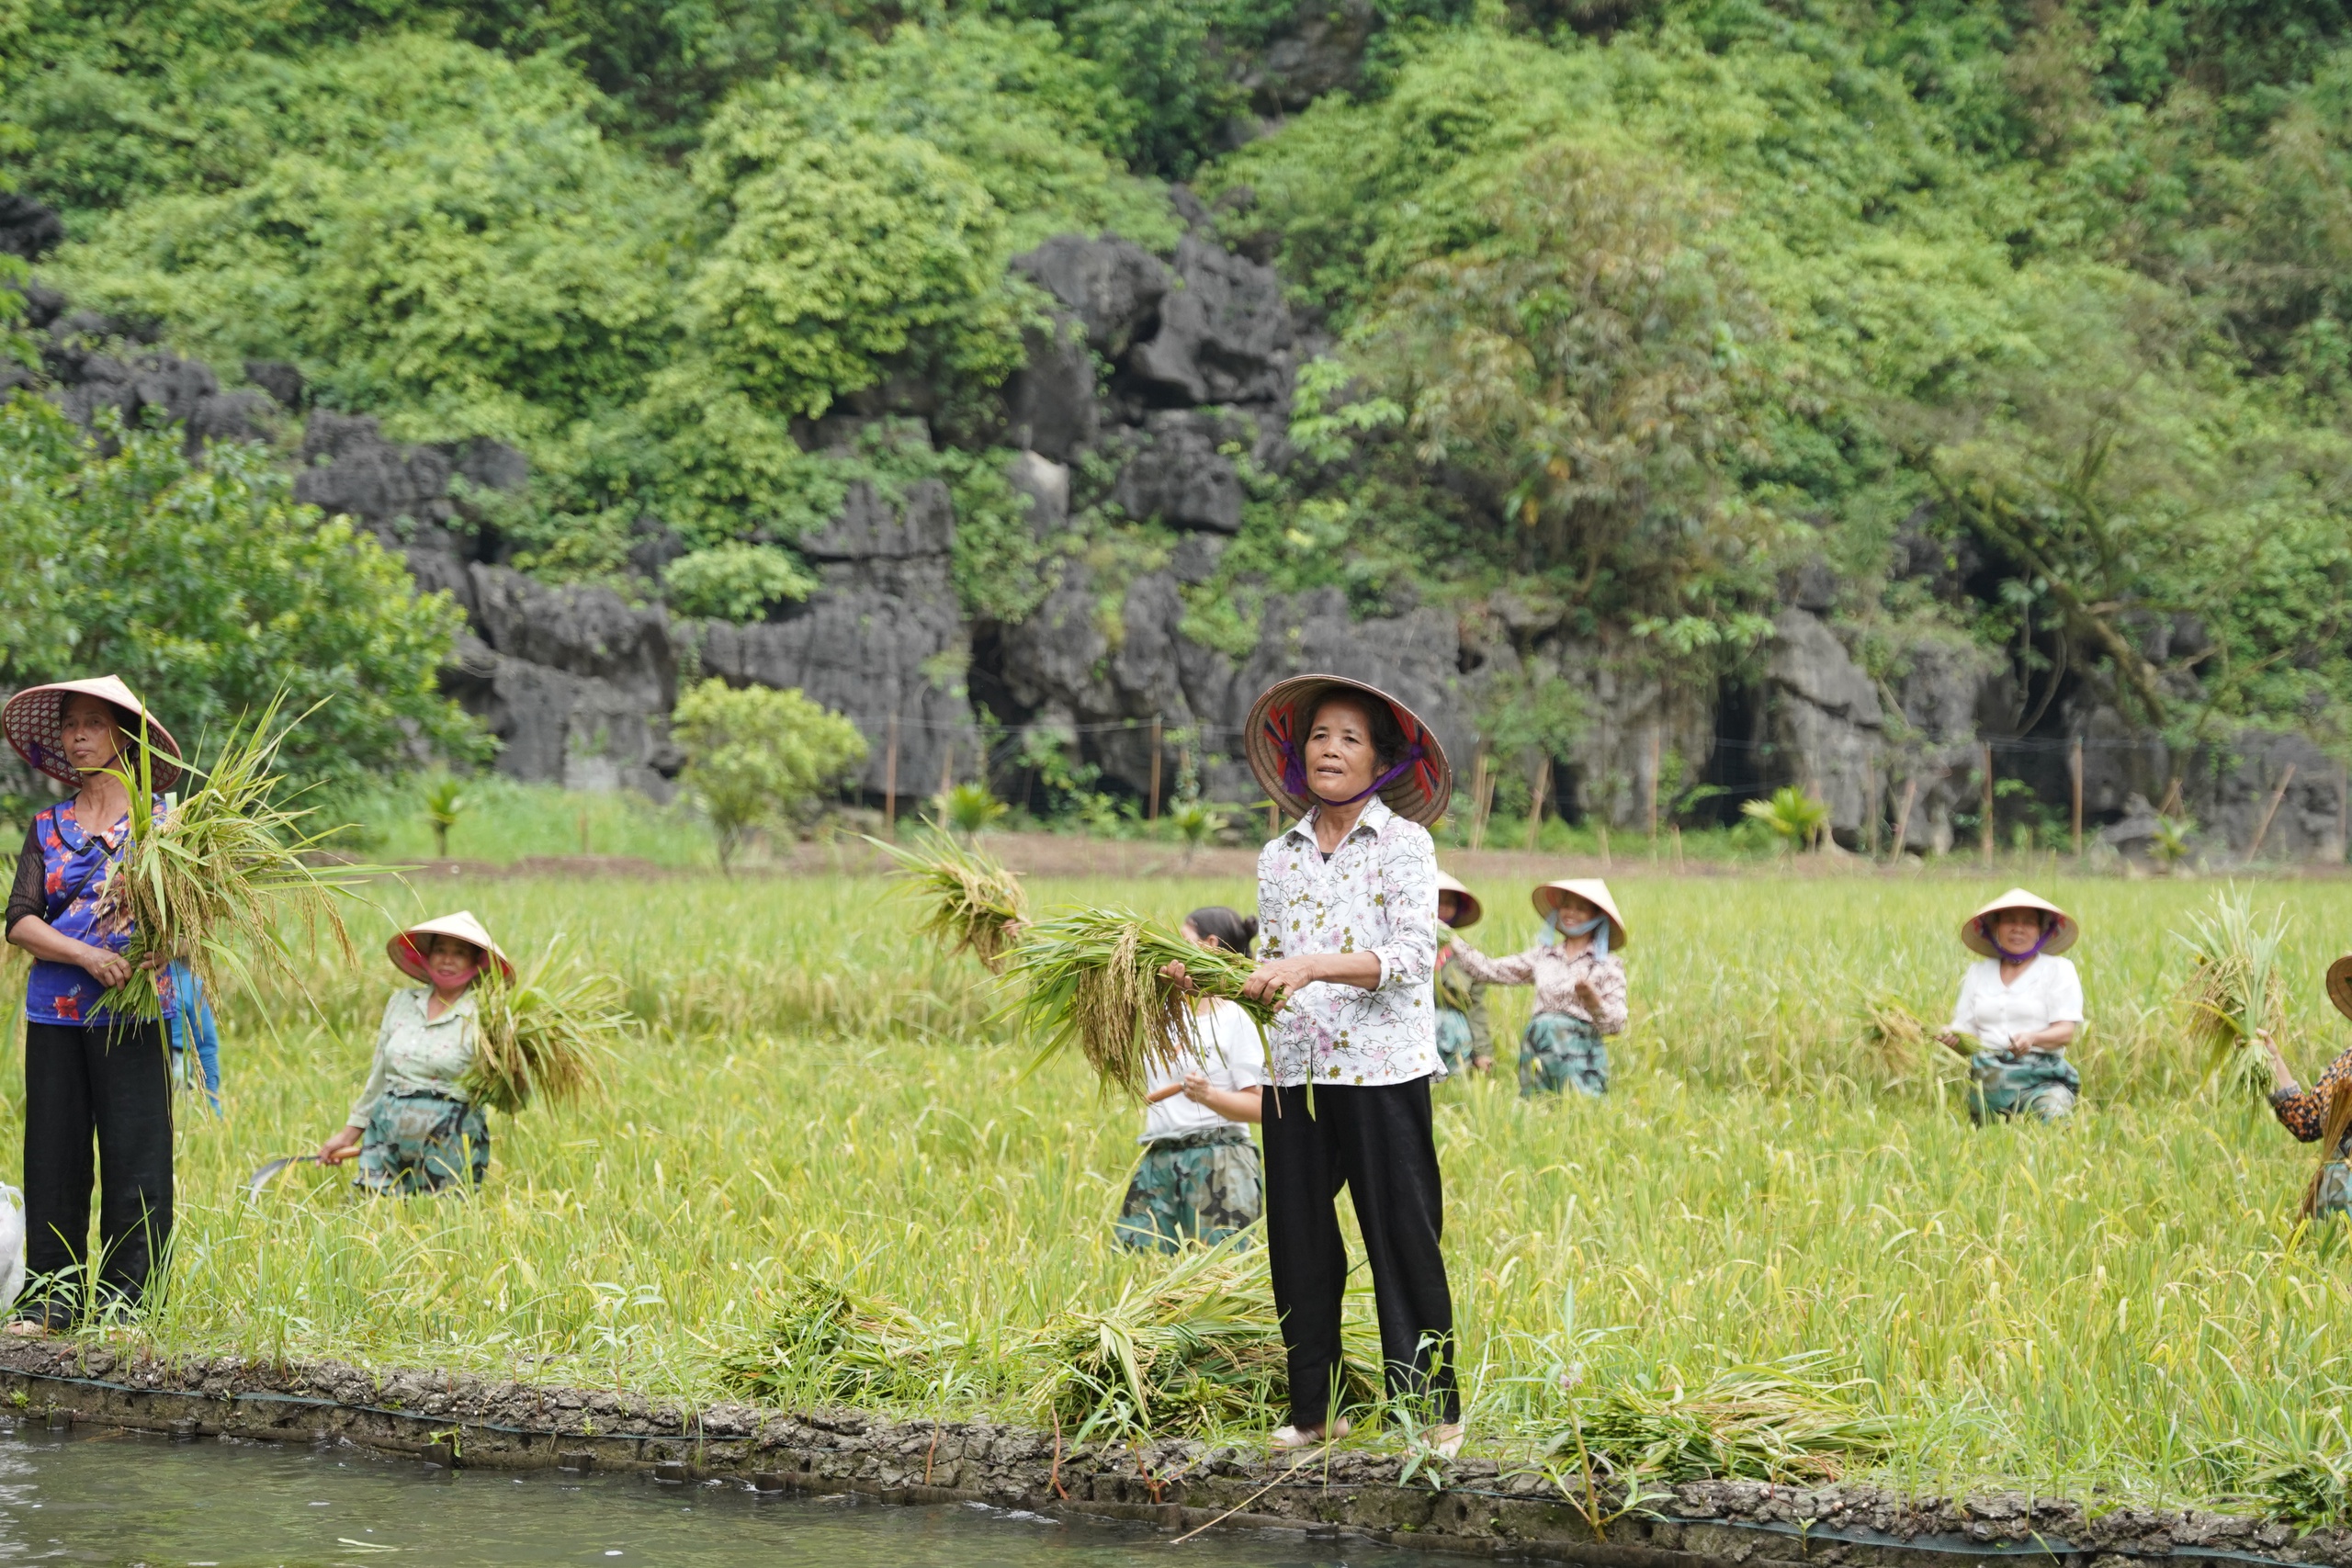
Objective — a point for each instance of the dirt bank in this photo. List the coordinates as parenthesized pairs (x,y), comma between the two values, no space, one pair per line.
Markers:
(1480,1507)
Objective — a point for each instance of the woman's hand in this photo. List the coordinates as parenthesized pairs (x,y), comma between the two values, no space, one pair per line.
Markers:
(340,1148)
(1196,1088)
(2282,1077)
(1276,980)
(107,968)
(1176,975)
(1589,998)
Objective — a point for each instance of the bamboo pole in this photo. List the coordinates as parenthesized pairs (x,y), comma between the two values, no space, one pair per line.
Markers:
(2078,797)
(1605,864)
(1152,813)
(1985,828)
(1675,828)
(1482,799)
(1903,817)
(1535,805)
(947,775)
(2343,806)
(2262,830)
(891,784)
(1655,759)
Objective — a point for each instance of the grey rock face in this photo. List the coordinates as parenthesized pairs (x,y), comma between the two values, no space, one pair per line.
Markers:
(1825,718)
(1321,49)
(84,379)
(921,526)
(1179,477)
(1046,484)
(1113,288)
(28,227)
(1225,335)
(1050,402)
(282,381)
(348,467)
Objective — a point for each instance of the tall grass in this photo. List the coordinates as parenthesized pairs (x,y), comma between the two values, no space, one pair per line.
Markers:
(2123,1300)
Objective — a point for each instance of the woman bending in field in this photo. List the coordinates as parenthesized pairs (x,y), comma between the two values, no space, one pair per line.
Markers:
(1580,986)
(414,1129)
(1199,1178)
(2021,1006)
(1464,1038)
(2307,1111)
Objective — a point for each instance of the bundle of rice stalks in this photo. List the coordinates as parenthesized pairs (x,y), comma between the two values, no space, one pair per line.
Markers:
(220,873)
(971,901)
(2234,989)
(1092,978)
(829,1344)
(1896,1036)
(544,1035)
(1779,1421)
(1193,1349)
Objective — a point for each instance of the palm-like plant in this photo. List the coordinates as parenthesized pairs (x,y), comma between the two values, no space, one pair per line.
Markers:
(969,808)
(445,800)
(1794,817)
(2169,845)
(1195,822)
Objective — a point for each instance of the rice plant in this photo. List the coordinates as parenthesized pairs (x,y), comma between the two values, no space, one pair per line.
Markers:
(2234,991)
(1093,979)
(1780,1421)
(970,902)
(545,1035)
(217,878)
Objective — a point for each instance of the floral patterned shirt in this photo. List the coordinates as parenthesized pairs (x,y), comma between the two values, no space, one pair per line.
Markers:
(1376,893)
(1554,975)
(2303,1111)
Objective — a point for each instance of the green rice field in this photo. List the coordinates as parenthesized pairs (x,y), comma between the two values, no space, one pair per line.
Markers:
(2123,1301)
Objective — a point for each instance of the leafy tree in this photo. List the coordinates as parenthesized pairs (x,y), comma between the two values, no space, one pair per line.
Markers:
(758,757)
(208,590)
(734,582)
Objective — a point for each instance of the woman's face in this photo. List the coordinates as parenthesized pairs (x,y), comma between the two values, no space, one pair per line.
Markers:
(1192,935)
(1449,905)
(89,732)
(1341,761)
(2016,930)
(450,964)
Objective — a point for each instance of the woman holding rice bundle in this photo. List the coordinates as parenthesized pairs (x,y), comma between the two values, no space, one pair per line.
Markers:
(1199,1177)
(1347,898)
(2021,1005)
(2306,1113)
(1580,986)
(1462,1035)
(416,1128)
(89,1071)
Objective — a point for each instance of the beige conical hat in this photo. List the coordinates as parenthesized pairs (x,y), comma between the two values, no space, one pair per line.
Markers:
(1467,910)
(1422,789)
(35,714)
(1971,930)
(407,949)
(1593,891)
(2339,985)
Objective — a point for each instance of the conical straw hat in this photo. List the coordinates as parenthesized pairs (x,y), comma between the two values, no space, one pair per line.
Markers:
(2339,985)
(35,714)
(1277,728)
(1593,891)
(407,949)
(1467,910)
(2062,937)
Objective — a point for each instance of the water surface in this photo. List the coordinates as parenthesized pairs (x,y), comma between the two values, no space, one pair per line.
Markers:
(98,1496)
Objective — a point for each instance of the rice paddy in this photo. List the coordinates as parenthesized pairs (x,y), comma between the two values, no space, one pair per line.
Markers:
(816,1123)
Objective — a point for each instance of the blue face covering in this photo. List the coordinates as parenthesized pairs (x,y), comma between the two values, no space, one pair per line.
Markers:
(1596,928)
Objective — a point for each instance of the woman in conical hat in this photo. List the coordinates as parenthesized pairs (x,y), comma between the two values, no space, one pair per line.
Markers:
(414,1128)
(1464,1037)
(1347,903)
(1580,986)
(88,1073)
(2021,1006)
(2306,1113)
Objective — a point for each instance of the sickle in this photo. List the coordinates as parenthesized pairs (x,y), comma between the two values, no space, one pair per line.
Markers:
(271,1171)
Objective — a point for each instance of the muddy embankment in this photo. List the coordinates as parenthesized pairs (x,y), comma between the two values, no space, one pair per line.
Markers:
(1478,1506)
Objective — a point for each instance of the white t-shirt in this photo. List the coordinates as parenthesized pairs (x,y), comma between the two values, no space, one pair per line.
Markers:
(2047,992)
(1231,1055)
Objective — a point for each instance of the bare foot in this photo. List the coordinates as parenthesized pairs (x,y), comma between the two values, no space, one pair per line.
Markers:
(1293,1438)
(28,1329)
(1447,1439)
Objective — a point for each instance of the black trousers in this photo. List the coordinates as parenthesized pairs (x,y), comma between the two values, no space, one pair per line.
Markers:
(110,1082)
(1376,1142)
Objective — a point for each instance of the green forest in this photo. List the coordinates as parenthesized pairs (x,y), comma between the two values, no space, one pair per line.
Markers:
(1631,306)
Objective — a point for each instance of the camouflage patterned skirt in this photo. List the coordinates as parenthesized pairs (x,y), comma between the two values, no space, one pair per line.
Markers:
(1560,1051)
(422,1142)
(1203,1186)
(2331,1194)
(2040,1084)
(1453,1038)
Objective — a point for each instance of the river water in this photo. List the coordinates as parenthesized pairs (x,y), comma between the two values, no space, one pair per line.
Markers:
(96,1496)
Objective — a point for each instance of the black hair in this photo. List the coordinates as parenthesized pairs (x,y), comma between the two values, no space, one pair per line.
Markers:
(1229,929)
(1387,735)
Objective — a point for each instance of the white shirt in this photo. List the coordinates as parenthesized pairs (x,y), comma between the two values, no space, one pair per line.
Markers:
(1230,1055)
(2048,991)
(1377,894)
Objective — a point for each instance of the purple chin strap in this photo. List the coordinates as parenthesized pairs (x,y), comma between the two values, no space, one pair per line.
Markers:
(1984,928)
(1294,773)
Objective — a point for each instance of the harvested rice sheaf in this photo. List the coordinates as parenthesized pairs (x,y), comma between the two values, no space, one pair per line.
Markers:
(1092,979)
(971,902)
(828,1343)
(543,1036)
(219,879)
(1780,1421)
(1896,1036)
(2235,989)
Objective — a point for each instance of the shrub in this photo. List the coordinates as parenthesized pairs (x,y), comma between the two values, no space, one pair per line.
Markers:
(757,757)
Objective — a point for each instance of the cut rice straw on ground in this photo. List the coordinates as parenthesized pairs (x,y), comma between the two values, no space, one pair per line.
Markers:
(222,875)
(971,902)
(2234,991)
(544,1036)
(1779,1421)
(1092,978)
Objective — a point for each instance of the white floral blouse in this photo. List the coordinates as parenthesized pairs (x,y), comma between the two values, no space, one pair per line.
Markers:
(1377,893)
(1553,973)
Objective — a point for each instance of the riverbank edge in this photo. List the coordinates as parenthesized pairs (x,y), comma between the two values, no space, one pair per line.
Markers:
(469,1422)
